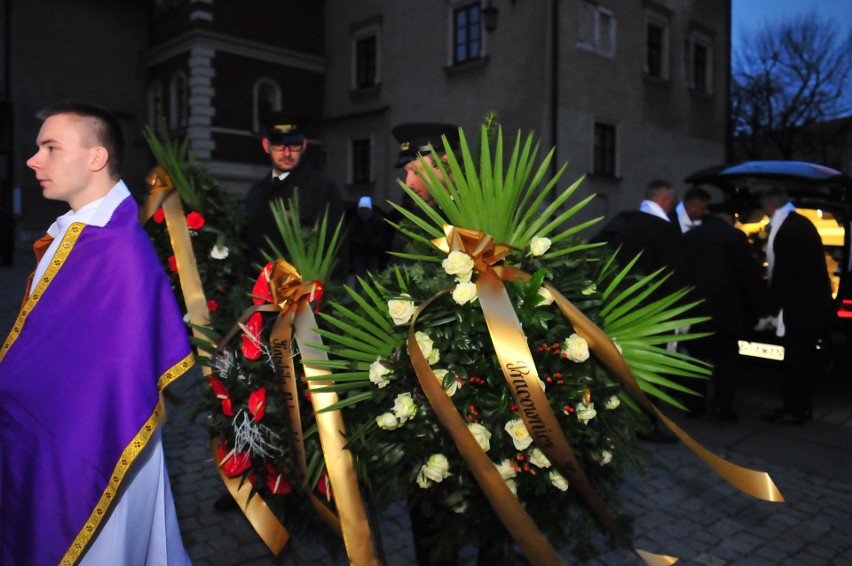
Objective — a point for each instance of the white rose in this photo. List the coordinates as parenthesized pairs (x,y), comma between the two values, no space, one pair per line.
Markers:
(465,293)
(590,289)
(427,347)
(538,459)
(612,403)
(557,480)
(506,469)
(404,407)
(459,264)
(401,310)
(604,458)
(459,507)
(538,246)
(481,434)
(546,297)
(423,481)
(378,373)
(543,385)
(219,252)
(387,421)
(453,387)
(436,468)
(585,413)
(512,486)
(576,348)
(519,433)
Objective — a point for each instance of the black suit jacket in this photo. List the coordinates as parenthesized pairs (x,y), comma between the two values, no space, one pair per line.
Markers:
(720,265)
(660,243)
(316,192)
(799,282)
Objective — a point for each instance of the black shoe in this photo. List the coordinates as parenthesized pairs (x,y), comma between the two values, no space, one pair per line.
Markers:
(225,503)
(727,415)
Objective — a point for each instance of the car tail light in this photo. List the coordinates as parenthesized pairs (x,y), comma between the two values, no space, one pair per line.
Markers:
(845,310)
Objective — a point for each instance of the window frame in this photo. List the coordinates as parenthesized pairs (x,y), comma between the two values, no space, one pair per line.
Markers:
(690,72)
(610,156)
(595,44)
(663,23)
(455,9)
(356,161)
(359,35)
(155,100)
(257,112)
(178,101)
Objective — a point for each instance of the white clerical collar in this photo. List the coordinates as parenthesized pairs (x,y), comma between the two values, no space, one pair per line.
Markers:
(654,209)
(96,213)
(686,223)
(280,177)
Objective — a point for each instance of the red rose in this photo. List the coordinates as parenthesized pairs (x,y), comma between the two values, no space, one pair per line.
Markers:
(173,264)
(159,215)
(212,305)
(194,220)
(257,403)
(275,481)
(260,292)
(251,347)
(233,463)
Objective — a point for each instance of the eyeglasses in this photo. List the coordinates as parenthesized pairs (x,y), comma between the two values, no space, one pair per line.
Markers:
(293,147)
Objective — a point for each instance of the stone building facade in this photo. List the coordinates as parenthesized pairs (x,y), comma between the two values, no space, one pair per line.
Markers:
(626,91)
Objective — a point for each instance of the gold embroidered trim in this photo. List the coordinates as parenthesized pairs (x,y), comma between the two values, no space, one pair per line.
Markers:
(58,261)
(131,452)
(176,371)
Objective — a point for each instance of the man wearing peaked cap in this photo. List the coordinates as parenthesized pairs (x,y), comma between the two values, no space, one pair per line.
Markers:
(415,140)
(285,142)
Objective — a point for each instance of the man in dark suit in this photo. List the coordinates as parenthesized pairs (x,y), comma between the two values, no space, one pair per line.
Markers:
(799,299)
(721,267)
(652,233)
(690,211)
(285,143)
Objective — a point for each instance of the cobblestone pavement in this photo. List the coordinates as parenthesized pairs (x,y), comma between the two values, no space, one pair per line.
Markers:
(681,507)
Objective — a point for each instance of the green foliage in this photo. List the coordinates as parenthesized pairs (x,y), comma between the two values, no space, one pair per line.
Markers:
(219,245)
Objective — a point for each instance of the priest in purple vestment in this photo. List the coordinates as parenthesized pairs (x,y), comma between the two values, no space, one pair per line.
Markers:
(98,337)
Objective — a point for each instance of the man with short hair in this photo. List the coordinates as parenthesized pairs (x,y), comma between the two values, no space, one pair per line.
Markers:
(655,236)
(799,299)
(692,209)
(286,145)
(98,337)
(726,276)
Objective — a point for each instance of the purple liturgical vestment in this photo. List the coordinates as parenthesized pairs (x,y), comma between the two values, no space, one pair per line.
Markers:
(80,375)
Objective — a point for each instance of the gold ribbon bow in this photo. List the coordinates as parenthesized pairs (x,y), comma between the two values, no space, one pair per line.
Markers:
(290,299)
(478,245)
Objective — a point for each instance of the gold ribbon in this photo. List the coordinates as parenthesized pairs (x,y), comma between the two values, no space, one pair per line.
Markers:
(162,193)
(290,299)
(510,344)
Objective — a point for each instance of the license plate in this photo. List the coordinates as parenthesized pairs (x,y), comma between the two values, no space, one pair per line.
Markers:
(761,350)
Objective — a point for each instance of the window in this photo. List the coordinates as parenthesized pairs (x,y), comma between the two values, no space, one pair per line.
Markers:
(597,29)
(698,63)
(178,101)
(361,161)
(467,33)
(603,160)
(657,48)
(366,62)
(155,105)
(267,98)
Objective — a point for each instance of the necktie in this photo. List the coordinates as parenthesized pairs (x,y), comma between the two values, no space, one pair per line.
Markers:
(39,247)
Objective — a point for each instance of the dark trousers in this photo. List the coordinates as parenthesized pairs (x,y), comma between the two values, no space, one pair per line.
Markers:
(720,350)
(796,370)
